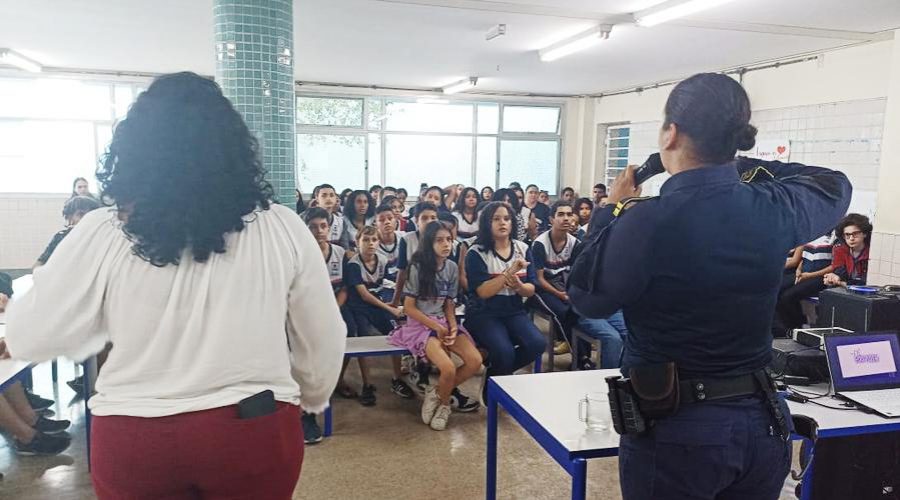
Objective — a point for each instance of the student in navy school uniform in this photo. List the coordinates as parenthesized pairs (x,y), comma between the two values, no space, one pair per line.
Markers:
(500,275)
(326,198)
(388,246)
(466,213)
(396,204)
(363,277)
(433,195)
(316,220)
(359,212)
(583,209)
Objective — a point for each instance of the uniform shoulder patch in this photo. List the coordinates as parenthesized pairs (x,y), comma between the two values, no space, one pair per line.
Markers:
(627,203)
(757,174)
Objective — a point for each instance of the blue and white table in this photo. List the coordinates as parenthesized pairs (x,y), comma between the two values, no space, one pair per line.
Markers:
(546,406)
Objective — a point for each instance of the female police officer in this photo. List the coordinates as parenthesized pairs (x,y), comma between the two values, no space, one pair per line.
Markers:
(697,272)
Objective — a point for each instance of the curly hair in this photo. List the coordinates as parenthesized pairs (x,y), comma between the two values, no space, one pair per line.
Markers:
(858,220)
(185,169)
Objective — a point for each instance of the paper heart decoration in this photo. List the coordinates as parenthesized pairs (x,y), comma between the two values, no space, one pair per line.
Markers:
(781,150)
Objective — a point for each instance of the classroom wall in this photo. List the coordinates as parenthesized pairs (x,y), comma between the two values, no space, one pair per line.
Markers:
(27,223)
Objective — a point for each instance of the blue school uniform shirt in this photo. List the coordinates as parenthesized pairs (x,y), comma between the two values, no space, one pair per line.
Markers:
(556,263)
(392,254)
(334,261)
(356,273)
(483,264)
(408,246)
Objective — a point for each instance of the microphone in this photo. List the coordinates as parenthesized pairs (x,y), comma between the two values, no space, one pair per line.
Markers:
(651,167)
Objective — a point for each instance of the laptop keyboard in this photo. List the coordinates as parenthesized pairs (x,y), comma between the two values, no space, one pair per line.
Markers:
(884,400)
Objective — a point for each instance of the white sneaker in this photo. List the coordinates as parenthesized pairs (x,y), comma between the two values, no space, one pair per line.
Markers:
(430,405)
(441,416)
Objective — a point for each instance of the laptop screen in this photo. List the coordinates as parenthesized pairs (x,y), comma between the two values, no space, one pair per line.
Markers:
(864,361)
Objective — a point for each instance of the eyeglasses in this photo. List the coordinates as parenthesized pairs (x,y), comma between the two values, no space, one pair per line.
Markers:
(854,234)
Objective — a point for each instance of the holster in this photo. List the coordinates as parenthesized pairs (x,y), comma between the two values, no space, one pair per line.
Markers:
(651,392)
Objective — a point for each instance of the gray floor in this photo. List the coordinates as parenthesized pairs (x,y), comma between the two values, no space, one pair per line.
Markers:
(383,452)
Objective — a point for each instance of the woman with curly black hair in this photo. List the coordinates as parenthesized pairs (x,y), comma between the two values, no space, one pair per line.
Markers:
(359,212)
(850,258)
(197,279)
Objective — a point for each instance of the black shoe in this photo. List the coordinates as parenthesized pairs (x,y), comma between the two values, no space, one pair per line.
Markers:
(43,444)
(312,434)
(37,402)
(77,385)
(367,396)
(48,426)
(462,403)
(45,413)
(401,389)
(587,364)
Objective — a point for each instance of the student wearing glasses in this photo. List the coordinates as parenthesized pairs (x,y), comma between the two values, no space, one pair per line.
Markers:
(851,255)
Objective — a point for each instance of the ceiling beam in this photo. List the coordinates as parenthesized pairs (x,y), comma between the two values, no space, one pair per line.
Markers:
(606,18)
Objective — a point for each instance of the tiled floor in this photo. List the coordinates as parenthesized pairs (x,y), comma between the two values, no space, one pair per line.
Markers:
(384,452)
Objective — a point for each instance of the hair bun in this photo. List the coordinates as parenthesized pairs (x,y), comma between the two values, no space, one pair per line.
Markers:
(745,137)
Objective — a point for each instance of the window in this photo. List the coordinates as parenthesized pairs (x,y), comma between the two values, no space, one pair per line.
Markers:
(617,138)
(529,162)
(340,159)
(330,112)
(530,119)
(439,142)
(55,129)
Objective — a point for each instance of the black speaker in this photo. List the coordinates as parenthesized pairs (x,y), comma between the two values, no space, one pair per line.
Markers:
(858,312)
(793,358)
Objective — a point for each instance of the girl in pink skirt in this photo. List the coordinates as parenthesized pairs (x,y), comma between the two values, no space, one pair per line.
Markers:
(431,330)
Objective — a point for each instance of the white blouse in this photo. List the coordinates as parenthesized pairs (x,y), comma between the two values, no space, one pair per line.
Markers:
(193,336)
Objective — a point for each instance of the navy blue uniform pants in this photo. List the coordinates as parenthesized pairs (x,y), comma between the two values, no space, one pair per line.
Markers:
(512,341)
(718,450)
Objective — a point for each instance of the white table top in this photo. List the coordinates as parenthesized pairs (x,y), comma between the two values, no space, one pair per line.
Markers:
(831,420)
(375,343)
(552,400)
(9,368)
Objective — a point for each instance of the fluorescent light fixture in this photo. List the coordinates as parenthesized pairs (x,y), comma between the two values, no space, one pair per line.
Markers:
(575,43)
(673,10)
(498,30)
(461,86)
(13,58)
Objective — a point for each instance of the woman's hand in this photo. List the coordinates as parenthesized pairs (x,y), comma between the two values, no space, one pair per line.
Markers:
(516,266)
(395,311)
(623,187)
(450,338)
(441,331)
(801,277)
(514,283)
(832,279)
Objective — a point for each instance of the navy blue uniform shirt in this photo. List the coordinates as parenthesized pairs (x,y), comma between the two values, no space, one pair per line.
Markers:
(697,269)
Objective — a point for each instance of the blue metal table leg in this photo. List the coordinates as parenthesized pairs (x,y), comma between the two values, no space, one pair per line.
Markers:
(328,428)
(579,478)
(491,484)
(90,372)
(538,363)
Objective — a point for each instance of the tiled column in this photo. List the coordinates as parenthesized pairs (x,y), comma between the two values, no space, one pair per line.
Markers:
(254,66)
(884,254)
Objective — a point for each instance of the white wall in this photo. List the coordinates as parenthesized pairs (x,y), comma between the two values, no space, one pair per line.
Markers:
(27,223)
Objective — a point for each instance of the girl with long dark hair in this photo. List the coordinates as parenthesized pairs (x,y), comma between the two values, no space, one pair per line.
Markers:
(359,212)
(431,331)
(466,212)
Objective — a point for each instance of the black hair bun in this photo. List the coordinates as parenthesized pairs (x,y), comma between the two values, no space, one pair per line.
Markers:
(745,137)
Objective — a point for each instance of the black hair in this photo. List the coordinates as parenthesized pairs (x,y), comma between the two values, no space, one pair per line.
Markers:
(343,196)
(535,186)
(434,188)
(425,258)
(560,203)
(79,204)
(714,111)
(75,183)
(568,189)
(514,184)
(461,201)
(374,187)
(387,200)
(487,187)
(350,205)
(403,190)
(422,206)
(448,218)
(384,207)
(580,202)
(858,220)
(315,213)
(509,196)
(600,186)
(321,187)
(485,236)
(186,168)
(391,188)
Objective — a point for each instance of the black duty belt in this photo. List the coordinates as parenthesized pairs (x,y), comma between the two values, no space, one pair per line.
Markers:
(703,390)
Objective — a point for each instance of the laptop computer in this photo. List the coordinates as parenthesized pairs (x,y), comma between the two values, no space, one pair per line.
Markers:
(865,369)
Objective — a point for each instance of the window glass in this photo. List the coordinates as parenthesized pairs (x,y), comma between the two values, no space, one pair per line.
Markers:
(531,119)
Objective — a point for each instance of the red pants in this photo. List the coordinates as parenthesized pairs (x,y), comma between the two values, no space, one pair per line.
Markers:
(206,454)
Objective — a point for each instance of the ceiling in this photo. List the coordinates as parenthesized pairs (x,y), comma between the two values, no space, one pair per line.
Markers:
(429,43)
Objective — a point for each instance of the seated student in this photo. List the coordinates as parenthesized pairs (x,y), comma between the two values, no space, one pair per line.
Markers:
(487,193)
(363,276)
(425,212)
(375,193)
(554,251)
(458,253)
(851,254)
(32,433)
(533,208)
(806,281)
(522,226)
(388,246)
(326,199)
(387,191)
(403,195)
(433,195)
(500,275)
(431,331)
(342,199)
(316,220)
(544,198)
(466,213)
(583,209)
(396,205)
(359,212)
(73,211)
(568,194)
